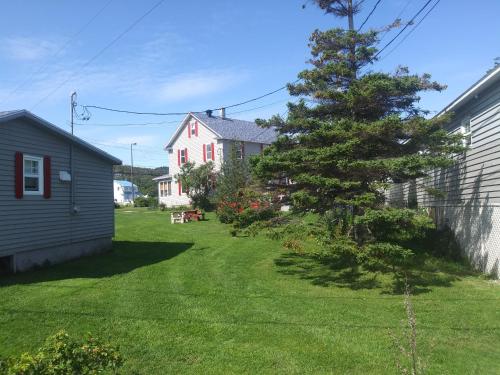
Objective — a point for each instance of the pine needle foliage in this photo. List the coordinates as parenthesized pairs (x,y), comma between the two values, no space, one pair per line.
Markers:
(354,131)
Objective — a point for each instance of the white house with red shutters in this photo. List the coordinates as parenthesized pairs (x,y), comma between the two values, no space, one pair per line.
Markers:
(203,137)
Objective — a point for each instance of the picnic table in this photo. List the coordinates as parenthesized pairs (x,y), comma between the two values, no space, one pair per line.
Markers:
(182,217)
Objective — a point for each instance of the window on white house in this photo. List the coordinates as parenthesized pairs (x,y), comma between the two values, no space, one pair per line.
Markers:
(183,156)
(162,189)
(165,188)
(209,151)
(33,175)
(193,128)
(466,132)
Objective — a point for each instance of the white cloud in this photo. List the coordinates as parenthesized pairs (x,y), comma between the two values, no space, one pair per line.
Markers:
(141,140)
(191,85)
(24,48)
(143,76)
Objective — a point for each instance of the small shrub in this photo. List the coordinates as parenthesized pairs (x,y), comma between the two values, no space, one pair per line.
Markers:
(62,355)
(162,206)
(151,202)
(252,215)
(226,214)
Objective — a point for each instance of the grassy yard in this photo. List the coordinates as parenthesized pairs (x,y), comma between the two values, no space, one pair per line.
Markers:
(191,299)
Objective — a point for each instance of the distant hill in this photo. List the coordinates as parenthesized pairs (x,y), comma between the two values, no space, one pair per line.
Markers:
(143,177)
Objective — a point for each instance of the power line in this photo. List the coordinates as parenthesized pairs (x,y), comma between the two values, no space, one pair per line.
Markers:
(402,30)
(98,54)
(63,47)
(369,15)
(186,113)
(259,97)
(142,124)
(398,17)
(412,30)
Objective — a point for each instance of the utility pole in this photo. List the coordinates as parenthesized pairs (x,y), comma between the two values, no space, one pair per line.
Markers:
(71,158)
(350,15)
(132,170)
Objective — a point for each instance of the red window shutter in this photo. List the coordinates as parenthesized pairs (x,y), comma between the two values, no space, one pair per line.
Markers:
(47,176)
(19,183)
(186,155)
(180,187)
(196,128)
(213,152)
(189,129)
(179,158)
(204,152)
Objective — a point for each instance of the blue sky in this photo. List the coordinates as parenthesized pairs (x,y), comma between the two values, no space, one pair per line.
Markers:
(194,55)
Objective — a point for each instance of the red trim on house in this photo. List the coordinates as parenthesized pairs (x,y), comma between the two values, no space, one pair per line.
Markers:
(179,157)
(19,188)
(189,129)
(204,152)
(213,152)
(196,128)
(47,177)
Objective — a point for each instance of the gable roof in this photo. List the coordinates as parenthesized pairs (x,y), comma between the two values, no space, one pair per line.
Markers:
(6,116)
(124,183)
(230,129)
(485,81)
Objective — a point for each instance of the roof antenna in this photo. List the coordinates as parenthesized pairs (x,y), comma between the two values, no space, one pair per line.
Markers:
(209,112)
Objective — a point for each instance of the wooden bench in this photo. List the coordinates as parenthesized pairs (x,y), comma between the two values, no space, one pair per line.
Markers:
(177,217)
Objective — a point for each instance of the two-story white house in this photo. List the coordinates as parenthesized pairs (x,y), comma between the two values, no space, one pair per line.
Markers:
(204,137)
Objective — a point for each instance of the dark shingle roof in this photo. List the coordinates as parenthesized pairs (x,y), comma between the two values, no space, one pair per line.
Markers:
(12,115)
(238,130)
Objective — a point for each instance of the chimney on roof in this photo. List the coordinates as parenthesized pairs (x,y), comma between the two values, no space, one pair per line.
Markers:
(209,112)
(223,113)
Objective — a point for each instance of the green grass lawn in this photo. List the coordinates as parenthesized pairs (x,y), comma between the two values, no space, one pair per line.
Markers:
(192,299)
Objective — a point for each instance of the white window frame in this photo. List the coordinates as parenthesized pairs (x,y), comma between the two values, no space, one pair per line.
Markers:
(209,151)
(183,156)
(466,131)
(39,175)
(192,128)
(165,188)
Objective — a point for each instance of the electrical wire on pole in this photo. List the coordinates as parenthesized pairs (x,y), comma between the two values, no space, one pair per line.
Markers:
(369,15)
(188,112)
(403,29)
(411,31)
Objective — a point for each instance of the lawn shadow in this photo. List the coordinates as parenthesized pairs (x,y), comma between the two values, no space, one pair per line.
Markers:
(425,274)
(124,257)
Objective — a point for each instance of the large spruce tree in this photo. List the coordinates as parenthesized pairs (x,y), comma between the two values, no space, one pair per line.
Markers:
(353,130)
